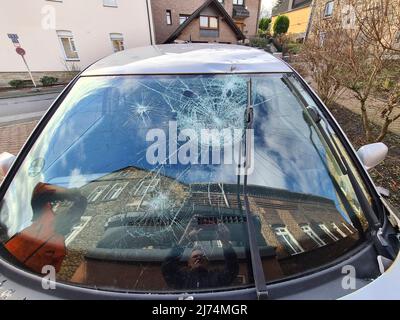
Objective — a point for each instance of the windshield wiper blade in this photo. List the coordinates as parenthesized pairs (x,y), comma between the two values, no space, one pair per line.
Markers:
(315,120)
(375,225)
(256,263)
(327,135)
(353,217)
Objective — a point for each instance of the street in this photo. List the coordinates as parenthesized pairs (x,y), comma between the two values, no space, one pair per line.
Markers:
(24,108)
(18,117)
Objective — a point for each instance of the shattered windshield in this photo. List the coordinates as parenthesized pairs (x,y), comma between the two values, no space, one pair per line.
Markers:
(133,185)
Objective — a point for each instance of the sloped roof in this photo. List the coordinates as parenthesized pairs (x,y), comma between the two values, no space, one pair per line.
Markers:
(281,6)
(228,19)
(284,6)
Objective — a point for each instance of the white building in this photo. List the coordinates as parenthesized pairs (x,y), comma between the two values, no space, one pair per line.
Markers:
(68,35)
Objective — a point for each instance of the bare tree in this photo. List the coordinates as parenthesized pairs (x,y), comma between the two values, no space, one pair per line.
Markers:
(372,60)
(358,51)
(379,22)
(322,54)
(390,90)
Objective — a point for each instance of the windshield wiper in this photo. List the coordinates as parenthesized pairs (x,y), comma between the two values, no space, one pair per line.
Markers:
(353,217)
(315,120)
(256,263)
(373,221)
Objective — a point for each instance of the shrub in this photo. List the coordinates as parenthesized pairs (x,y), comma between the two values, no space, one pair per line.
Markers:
(48,81)
(294,47)
(259,42)
(17,84)
(264,24)
(281,25)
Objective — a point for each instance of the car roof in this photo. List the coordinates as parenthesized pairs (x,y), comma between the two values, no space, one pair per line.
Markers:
(188,59)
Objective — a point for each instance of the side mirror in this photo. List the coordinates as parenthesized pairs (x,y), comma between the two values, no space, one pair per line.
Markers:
(6,161)
(373,154)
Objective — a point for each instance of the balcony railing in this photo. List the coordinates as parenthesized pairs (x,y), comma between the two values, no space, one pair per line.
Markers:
(240,12)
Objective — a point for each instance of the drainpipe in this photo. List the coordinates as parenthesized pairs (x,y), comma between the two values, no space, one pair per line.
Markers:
(313,8)
(150,21)
(258,17)
(291,2)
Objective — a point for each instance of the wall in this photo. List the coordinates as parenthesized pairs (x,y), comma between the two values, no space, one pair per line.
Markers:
(251,23)
(299,20)
(62,76)
(163,31)
(90,22)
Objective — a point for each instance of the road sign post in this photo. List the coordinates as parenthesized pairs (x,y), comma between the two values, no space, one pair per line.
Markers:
(22,53)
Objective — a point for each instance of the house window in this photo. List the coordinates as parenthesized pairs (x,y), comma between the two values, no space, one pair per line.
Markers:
(397,39)
(325,229)
(146,186)
(290,243)
(336,228)
(322,37)
(238,2)
(207,22)
(96,193)
(329,9)
(117,41)
(68,45)
(310,232)
(299,3)
(183,18)
(115,191)
(110,3)
(347,228)
(77,229)
(168,16)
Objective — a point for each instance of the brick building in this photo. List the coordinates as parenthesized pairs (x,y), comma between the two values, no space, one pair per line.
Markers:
(134,217)
(224,21)
(328,14)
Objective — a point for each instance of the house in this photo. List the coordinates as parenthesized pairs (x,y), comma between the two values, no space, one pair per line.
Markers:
(326,10)
(61,37)
(299,14)
(130,225)
(341,13)
(223,21)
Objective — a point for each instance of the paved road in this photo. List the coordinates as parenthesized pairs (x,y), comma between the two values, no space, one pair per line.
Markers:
(24,108)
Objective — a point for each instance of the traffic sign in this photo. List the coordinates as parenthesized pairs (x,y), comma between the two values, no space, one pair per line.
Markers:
(20,51)
(14,37)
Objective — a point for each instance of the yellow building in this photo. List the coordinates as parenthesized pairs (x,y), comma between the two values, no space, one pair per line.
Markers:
(298,12)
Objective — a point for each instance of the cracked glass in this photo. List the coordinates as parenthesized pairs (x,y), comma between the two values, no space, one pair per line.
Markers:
(133,185)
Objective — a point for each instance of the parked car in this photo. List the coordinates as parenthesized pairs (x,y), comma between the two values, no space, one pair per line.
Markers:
(194,171)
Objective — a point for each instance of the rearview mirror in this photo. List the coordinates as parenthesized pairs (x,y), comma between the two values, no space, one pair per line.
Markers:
(373,154)
(6,161)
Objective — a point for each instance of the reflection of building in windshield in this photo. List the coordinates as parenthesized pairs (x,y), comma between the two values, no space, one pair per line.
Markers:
(134,217)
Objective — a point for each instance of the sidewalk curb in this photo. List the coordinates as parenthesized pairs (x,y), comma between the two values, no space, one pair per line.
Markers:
(30,94)
(4,125)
